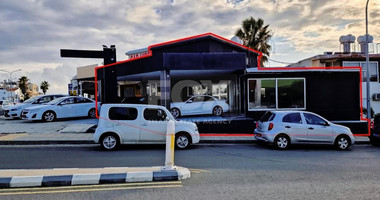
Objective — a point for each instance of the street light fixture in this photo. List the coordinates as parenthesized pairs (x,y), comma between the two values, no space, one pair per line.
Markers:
(369,116)
(10,78)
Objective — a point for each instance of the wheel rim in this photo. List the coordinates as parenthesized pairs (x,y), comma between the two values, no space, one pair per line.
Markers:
(175,113)
(282,142)
(109,142)
(92,113)
(182,141)
(217,111)
(49,116)
(342,143)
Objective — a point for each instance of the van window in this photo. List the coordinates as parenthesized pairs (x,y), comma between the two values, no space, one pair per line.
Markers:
(122,113)
(154,114)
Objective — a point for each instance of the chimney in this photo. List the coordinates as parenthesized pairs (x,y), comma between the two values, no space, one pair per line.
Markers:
(363,44)
(346,40)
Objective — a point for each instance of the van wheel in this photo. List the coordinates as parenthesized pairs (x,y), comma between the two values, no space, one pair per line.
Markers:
(48,116)
(282,142)
(342,142)
(92,113)
(109,142)
(182,141)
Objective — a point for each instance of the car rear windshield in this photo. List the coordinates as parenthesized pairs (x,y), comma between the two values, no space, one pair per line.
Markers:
(268,116)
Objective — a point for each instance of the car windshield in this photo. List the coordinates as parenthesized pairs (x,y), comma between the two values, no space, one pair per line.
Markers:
(55,101)
(31,100)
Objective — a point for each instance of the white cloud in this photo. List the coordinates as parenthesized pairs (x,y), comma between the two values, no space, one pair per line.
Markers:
(33,31)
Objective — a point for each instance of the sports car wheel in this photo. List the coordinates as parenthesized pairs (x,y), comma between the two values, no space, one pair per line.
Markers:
(217,111)
(175,112)
(48,116)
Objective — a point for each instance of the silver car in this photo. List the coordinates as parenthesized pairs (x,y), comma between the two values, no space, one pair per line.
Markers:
(283,128)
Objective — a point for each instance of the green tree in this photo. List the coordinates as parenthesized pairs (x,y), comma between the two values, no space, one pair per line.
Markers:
(23,85)
(44,86)
(255,35)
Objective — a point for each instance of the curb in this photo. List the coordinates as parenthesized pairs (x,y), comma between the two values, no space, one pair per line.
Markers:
(178,173)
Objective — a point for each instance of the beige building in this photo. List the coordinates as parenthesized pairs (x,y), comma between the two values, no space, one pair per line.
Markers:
(83,84)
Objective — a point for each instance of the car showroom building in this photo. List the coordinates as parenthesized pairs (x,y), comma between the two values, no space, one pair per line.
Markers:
(209,65)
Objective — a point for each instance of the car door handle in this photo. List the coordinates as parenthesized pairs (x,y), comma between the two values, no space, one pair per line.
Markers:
(144,124)
(288,127)
(311,128)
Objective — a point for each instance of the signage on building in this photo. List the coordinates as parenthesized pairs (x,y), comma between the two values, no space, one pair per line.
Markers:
(137,55)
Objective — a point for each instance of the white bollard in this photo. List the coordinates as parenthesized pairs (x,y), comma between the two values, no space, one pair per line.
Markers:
(170,137)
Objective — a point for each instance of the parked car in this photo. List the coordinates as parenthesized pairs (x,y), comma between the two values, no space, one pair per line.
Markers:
(140,124)
(375,131)
(4,104)
(15,111)
(63,107)
(199,104)
(283,128)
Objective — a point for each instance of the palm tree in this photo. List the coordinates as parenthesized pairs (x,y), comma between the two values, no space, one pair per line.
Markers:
(255,35)
(44,86)
(23,85)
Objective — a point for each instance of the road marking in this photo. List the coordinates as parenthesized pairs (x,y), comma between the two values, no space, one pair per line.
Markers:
(12,136)
(90,188)
(198,171)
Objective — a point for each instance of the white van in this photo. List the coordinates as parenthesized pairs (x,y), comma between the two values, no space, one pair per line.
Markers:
(140,124)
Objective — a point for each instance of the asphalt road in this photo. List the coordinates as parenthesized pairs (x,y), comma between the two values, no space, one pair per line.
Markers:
(219,171)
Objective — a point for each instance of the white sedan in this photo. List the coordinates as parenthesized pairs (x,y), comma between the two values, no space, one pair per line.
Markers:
(200,104)
(64,107)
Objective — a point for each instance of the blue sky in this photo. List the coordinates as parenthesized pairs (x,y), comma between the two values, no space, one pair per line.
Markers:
(33,31)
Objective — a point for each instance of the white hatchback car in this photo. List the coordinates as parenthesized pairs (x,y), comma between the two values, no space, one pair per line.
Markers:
(199,104)
(64,107)
(283,128)
(140,124)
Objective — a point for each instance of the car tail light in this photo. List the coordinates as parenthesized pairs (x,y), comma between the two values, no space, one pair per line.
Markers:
(257,124)
(270,127)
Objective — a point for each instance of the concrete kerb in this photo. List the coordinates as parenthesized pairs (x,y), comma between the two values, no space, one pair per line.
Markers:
(92,176)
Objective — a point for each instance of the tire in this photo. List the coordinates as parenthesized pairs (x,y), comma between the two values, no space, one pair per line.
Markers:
(182,141)
(342,142)
(109,142)
(92,113)
(48,116)
(175,112)
(217,111)
(281,142)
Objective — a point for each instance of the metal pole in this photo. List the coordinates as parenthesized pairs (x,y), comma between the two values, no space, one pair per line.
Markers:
(369,116)
(169,154)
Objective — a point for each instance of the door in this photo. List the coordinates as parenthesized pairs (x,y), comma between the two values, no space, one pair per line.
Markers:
(153,125)
(66,108)
(126,122)
(83,105)
(318,129)
(294,127)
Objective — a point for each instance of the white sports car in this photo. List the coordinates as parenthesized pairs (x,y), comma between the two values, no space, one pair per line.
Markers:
(64,107)
(200,104)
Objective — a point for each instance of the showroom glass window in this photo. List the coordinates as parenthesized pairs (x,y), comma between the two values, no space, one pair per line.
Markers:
(122,113)
(279,93)
(262,93)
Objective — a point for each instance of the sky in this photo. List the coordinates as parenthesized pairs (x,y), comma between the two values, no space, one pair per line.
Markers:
(32,32)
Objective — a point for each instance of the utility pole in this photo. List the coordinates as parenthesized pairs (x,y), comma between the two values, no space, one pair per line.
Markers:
(369,116)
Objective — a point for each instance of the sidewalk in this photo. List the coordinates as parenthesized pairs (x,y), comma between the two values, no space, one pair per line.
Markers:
(88,176)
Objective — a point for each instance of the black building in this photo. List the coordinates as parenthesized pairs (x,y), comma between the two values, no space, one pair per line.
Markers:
(208,64)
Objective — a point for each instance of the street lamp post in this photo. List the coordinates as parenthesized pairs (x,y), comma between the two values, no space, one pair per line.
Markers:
(369,116)
(10,78)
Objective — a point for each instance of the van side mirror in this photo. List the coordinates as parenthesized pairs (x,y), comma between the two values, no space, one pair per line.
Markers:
(167,119)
